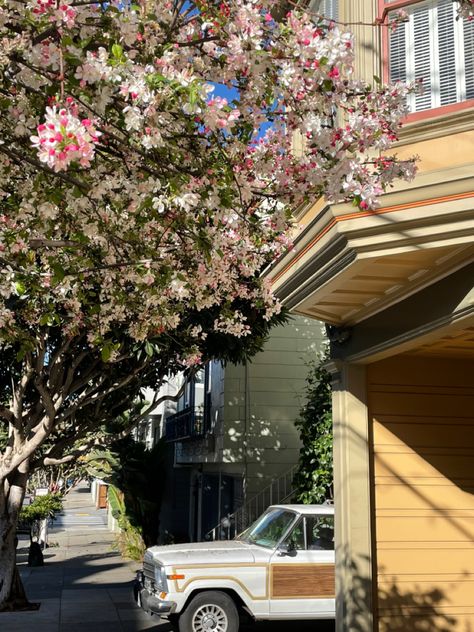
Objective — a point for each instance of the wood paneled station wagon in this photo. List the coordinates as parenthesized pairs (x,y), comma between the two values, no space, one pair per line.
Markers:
(281,567)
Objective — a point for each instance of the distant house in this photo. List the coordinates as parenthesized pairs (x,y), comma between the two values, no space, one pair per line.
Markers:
(232,433)
(396,288)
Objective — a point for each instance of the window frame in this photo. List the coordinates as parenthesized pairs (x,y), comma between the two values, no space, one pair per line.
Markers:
(384,7)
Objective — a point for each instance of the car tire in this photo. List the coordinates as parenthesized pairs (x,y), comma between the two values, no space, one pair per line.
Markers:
(211,606)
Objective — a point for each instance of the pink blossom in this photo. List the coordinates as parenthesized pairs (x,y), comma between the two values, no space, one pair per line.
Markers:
(73,140)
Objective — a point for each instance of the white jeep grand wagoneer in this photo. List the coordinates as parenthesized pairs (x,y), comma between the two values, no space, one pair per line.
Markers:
(282,567)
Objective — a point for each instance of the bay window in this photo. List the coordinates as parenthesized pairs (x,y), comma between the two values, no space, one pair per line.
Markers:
(435,47)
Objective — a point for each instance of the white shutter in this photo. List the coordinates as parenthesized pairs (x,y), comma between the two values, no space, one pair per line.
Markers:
(436,48)
(421,23)
(468,33)
(328,8)
(398,53)
(448,84)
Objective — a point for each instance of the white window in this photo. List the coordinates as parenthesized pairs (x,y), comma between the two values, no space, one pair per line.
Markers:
(328,8)
(436,48)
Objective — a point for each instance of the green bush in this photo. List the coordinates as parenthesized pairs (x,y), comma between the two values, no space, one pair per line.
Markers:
(129,541)
(41,508)
(314,479)
(138,473)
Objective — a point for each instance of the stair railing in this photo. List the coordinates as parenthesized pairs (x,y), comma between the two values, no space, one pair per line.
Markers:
(277,492)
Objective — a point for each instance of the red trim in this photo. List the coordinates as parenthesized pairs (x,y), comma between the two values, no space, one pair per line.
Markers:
(358,214)
(385,7)
(444,109)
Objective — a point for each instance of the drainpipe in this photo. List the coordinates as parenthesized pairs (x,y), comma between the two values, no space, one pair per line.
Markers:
(246,426)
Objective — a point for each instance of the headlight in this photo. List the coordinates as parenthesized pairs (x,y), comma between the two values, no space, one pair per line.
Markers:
(161,584)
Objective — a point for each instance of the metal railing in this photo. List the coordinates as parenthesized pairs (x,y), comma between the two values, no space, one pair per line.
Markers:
(184,425)
(279,491)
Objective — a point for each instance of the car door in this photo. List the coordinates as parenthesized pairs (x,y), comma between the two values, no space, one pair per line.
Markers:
(302,577)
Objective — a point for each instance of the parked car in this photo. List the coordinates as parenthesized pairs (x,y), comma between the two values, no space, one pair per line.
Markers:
(281,567)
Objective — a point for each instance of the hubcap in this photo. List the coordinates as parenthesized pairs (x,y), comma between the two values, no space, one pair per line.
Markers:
(210,618)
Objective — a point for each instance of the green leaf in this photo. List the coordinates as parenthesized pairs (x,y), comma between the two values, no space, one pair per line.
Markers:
(45,320)
(149,350)
(117,52)
(328,85)
(20,288)
(59,273)
(106,351)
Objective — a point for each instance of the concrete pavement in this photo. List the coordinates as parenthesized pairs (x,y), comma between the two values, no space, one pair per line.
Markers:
(84,585)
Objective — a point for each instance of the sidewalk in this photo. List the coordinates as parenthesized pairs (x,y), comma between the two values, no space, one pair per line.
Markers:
(84,585)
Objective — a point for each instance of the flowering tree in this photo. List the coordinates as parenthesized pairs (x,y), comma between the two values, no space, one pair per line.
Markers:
(148,165)
(465,9)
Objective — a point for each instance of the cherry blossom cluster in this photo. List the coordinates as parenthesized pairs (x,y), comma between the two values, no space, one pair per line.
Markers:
(60,12)
(149,165)
(466,9)
(63,138)
(397,17)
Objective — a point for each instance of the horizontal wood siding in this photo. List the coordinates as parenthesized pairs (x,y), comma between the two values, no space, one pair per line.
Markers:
(302,580)
(423,450)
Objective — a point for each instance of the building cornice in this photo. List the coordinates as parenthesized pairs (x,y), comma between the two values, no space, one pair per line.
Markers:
(436,213)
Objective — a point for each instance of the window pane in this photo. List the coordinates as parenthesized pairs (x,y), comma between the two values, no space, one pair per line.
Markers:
(320,533)
(296,537)
(269,529)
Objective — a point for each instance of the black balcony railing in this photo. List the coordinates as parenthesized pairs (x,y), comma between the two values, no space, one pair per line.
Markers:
(186,424)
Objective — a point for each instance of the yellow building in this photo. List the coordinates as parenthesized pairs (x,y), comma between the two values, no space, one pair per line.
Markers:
(396,289)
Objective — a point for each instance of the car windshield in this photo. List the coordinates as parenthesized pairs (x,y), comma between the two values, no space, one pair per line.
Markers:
(269,529)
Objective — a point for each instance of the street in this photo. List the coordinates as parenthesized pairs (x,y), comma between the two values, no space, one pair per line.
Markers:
(86,586)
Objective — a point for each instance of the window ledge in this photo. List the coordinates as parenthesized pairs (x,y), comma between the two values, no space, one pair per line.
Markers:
(453,122)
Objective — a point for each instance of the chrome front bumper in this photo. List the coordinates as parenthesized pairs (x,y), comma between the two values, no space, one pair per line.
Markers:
(148,601)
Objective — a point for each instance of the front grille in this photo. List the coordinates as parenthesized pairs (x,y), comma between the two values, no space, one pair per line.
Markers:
(149,569)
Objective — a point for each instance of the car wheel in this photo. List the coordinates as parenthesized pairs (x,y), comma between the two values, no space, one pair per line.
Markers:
(210,611)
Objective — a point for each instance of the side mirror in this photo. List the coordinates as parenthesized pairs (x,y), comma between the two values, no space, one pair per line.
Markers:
(286,548)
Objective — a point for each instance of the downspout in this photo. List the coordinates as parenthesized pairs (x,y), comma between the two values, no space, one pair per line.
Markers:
(246,425)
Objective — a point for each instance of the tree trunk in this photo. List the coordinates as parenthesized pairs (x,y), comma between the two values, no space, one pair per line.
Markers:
(12,492)
(12,593)
(7,559)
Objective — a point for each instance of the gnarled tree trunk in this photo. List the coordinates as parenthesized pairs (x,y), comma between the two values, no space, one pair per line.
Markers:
(12,492)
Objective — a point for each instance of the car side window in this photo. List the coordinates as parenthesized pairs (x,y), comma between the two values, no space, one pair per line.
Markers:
(295,539)
(320,533)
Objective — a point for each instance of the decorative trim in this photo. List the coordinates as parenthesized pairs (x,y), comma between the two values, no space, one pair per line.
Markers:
(360,214)
(230,578)
(407,337)
(441,122)
(318,271)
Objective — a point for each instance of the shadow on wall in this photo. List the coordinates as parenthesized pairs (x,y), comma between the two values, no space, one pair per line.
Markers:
(399,609)
(253,439)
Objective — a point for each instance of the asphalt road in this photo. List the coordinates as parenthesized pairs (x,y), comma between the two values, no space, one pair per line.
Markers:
(285,626)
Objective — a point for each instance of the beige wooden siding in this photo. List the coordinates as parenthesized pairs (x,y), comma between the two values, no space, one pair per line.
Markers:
(423,447)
